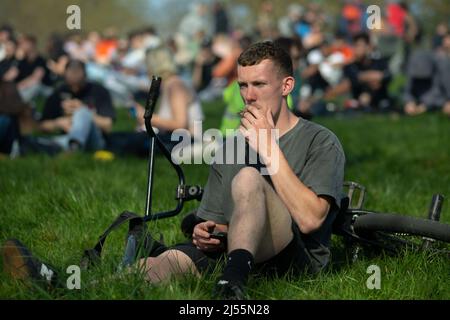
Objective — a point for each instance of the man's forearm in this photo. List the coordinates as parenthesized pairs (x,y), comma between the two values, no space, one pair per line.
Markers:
(48,125)
(33,79)
(339,89)
(371,76)
(306,208)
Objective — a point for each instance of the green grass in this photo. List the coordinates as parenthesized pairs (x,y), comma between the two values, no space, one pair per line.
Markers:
(59,206)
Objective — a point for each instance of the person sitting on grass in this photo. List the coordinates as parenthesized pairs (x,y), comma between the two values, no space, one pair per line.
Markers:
(443,74)
(367,77)
(275,223)
(419,82)
(179,108)
(14,117)
(80,109)
(434,91)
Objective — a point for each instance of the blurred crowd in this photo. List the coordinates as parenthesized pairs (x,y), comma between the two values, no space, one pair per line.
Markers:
(341,66)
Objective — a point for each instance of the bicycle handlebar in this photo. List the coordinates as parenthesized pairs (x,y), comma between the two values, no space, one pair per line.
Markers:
(181,196)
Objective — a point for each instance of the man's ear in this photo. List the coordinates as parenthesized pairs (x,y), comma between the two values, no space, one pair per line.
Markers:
(288,85)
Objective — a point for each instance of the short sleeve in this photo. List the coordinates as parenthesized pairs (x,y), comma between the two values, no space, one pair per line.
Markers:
(211,206)
(104,104)
(324,170)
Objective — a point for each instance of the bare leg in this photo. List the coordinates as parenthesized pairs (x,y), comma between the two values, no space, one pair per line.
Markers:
(260,224)
(169,263)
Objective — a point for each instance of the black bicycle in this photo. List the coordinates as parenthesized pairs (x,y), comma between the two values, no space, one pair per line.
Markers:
(360,228)
(391,232)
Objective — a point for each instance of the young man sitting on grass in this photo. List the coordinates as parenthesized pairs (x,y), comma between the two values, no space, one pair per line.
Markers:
(275,223)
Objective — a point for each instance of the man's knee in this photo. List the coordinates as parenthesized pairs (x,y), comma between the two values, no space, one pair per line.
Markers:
(176,261)
(169,263)
(246,182)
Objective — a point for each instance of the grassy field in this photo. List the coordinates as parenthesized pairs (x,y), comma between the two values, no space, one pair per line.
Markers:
(59,206)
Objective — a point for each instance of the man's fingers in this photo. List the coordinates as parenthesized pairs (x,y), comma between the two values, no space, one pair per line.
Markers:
(209,224)
(246,124)
(248,114)
(209,242)
(202,229)
(254,111)
(202,234)
(201,237)
(205,243)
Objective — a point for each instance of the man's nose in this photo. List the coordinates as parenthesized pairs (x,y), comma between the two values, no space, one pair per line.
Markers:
(250,95)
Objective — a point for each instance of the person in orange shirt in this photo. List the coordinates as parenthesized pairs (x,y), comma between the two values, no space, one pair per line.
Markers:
(340,45)
(106,47)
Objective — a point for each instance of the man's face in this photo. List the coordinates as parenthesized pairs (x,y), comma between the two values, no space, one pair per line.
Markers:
(75,76)
(4,36)
(10,48)
(362,49)
(27,46)
(261,85)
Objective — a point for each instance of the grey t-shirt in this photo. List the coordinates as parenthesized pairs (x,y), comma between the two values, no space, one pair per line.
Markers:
(316,157)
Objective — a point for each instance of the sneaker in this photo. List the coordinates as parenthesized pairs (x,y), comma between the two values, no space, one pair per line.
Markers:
(74,146)
(229,290)
(20,264)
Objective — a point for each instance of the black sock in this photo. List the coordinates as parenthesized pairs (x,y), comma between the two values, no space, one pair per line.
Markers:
(239,264)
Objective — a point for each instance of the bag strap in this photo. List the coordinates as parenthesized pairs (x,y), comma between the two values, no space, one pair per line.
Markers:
(92,256)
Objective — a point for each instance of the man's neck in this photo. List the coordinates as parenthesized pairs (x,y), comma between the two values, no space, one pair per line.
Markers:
(286,120)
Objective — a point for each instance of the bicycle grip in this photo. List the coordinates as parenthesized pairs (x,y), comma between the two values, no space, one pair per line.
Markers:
(152,96)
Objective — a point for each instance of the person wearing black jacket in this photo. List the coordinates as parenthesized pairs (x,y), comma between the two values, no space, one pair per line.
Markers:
(368,76)
(81,110)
